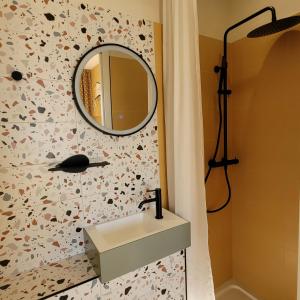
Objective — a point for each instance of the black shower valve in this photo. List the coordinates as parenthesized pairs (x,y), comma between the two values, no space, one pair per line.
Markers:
(224,162)
(217,69)
(224,92)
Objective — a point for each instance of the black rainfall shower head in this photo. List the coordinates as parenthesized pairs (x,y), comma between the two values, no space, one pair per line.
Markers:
(274,27)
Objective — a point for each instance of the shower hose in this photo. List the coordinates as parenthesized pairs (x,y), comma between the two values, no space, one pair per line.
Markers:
(215,156)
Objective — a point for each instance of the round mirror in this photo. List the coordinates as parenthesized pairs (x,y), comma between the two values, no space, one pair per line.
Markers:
(115,89)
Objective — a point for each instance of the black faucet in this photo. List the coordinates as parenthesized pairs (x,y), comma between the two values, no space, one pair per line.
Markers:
(157,201)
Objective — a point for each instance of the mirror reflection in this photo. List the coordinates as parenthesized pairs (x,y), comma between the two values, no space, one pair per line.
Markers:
(116,90)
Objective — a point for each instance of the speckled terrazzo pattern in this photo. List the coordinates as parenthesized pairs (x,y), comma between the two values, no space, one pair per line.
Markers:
(86,291)
(163,279)
(43,213)
(54,34)
(48,279)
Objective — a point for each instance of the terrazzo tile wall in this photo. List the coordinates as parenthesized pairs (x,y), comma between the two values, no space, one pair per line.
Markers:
(163,279)
(42,213)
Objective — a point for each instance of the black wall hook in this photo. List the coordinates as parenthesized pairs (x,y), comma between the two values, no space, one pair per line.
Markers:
(16,75)
(77,164)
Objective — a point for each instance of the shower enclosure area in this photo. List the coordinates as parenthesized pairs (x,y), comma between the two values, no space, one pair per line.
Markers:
(254,240)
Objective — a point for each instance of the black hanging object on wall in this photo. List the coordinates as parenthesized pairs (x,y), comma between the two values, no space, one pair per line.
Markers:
(77,164)
(16,75)
(223,91)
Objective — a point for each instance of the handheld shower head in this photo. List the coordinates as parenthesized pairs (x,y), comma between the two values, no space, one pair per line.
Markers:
(274,27)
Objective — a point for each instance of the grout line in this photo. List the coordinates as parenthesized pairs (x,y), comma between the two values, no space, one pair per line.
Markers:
(5,76)
(68,288)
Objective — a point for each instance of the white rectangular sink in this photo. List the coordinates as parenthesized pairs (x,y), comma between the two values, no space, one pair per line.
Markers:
(121,246)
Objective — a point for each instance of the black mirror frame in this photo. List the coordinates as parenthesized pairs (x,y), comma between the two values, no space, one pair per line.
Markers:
(77,100)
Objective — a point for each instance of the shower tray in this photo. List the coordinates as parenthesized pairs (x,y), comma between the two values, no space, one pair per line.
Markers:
(232,291)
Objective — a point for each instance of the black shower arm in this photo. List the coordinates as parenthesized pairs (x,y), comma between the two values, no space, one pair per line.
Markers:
(268,8)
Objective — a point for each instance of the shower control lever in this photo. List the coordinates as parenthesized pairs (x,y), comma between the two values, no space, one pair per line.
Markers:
(217,69)
(222,163)
(223,92)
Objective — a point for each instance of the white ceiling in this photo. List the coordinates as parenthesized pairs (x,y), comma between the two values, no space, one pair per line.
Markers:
(217,15)
(95,60)
(214,15)
(92,63)
(243,8)
(146,9)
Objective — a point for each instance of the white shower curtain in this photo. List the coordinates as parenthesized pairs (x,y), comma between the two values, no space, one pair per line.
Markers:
(184,137)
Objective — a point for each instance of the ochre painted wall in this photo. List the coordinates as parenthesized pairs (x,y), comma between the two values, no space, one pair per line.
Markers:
(96,77)
(255,240)
(264,115)
(158,48)
(219,225)
(264,111)
(129,92)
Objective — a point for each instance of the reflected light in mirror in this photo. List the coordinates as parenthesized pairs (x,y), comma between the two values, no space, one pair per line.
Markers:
(119,77)
(115,89)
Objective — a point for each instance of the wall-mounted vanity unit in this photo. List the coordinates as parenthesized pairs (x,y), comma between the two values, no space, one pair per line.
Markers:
(43,213)
(121,246)
(116,92)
